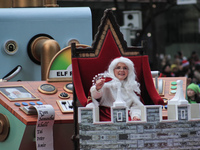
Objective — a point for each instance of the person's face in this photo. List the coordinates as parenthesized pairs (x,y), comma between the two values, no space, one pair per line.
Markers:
(167,69)
(190,93)
(121,71)
(16,92)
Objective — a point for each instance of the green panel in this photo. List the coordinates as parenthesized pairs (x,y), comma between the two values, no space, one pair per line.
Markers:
(17,129)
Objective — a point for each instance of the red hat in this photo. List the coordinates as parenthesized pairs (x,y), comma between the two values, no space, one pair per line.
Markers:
(185,63)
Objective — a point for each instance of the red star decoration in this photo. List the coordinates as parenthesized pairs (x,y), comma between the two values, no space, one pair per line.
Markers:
(109,44)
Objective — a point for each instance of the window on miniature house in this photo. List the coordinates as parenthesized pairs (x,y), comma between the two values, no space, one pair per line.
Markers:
(119,116)
(183,116)
(103,137)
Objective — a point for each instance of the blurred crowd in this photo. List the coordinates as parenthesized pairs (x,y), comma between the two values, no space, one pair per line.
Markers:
(184,67)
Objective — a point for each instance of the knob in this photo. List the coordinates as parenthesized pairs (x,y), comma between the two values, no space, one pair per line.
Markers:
(4,127)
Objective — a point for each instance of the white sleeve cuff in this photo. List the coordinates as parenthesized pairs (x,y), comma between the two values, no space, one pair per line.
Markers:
(94,93)
(90,105)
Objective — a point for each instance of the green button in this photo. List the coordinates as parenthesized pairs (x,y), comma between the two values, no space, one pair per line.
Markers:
(173,87)
(174,83)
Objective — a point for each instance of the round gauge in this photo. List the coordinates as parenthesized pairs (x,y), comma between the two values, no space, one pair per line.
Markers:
(47,89)
(64,95)
(69,87)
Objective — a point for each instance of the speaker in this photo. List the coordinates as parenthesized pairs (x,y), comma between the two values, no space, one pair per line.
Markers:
(133,19)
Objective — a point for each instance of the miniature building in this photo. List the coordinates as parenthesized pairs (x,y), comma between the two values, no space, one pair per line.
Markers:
(150,133)
(180,131)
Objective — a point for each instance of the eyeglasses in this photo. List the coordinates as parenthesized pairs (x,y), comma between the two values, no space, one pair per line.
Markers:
(123,68)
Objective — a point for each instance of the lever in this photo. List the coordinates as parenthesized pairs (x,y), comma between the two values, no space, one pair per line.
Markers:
(12,73)
(160,86)
(155,75)
(159,83)
(64,103)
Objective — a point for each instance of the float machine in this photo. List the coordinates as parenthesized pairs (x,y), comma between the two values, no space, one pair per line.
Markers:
(29,39)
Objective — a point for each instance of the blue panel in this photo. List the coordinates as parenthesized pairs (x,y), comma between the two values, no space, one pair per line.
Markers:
(21,24)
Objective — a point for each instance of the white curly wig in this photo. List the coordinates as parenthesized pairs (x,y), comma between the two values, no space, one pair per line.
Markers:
(130,82)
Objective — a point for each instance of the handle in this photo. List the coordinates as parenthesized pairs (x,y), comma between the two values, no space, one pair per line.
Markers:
(13,73)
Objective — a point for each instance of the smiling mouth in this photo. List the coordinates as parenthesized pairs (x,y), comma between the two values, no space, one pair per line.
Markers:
(121,74)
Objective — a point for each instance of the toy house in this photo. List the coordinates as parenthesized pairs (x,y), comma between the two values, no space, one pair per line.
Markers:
(179,131)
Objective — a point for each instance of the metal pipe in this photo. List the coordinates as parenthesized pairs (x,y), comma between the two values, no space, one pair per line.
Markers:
(44,49)
(50,3)
(27,3)
(5,3)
